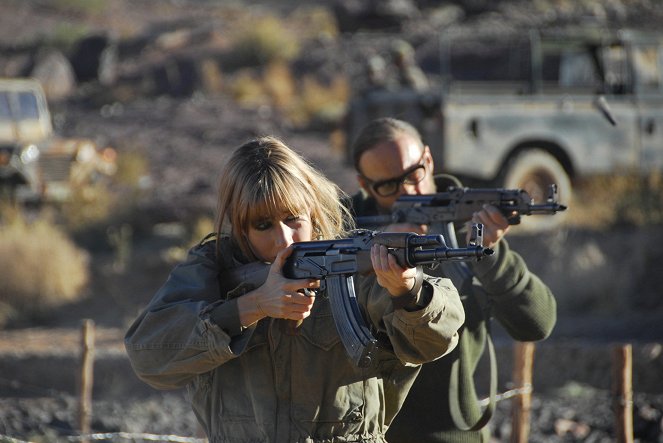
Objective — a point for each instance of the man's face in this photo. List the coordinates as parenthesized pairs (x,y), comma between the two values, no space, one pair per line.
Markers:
(394,168)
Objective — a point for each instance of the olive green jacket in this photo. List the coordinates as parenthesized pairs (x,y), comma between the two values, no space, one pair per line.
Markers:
(267,383)
(502,288)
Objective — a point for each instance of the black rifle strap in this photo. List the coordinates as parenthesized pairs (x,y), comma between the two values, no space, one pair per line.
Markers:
(461,275)
(454,396)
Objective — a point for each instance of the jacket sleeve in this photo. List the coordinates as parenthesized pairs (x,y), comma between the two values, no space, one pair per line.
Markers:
(520,301)
(174,339)
(420,336)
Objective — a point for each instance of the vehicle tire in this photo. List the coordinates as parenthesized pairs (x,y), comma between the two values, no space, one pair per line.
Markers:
(534,171)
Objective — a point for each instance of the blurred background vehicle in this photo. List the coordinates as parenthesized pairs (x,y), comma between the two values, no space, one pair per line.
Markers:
(531,109)
(36,164)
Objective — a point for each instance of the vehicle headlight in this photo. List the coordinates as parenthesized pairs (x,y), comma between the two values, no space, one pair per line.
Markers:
(5,157)
(29,154)
(86,153)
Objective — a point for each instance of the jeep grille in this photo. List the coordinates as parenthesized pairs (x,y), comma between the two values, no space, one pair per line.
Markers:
(55,167)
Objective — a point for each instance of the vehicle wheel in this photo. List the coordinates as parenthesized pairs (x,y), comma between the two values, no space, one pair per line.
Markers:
(534,171)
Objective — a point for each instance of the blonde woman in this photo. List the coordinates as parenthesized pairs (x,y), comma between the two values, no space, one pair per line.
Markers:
(252,377)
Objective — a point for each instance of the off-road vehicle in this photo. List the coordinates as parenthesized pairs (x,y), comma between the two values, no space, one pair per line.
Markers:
(534,109)
(35,163)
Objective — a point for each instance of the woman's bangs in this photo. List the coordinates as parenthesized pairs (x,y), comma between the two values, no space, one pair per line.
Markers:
(295,195)
(298,203)
(273,201)
(256,205)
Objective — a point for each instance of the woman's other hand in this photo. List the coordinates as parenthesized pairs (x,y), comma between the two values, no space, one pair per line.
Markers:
(391,276)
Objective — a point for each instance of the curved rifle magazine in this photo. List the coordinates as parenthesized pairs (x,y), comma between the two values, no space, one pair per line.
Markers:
(349,320)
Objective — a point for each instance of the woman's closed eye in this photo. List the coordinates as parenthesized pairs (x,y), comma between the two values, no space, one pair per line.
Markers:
(263,225)
(294,218)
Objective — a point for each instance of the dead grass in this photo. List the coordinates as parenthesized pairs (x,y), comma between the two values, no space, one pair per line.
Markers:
(264,40)
(264,49)
(321,102)
(301,101)
(86,206)
(621,199)
(40,267)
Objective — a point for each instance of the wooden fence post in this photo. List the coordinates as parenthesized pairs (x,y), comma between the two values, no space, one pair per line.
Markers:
(622,392)
(86,377)
(523,359)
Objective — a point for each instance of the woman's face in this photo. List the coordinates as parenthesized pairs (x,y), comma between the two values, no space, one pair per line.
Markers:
(269,235)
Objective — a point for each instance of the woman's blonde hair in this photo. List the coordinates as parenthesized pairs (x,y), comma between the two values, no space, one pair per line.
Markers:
(264,178)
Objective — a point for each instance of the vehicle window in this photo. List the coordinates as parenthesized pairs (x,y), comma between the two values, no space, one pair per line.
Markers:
(28,107)
(647,67)
(488,61)
(5,112)
(569,69)
(616,70)
(576,69)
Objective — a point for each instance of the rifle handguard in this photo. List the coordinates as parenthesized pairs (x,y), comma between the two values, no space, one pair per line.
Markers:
(412,296)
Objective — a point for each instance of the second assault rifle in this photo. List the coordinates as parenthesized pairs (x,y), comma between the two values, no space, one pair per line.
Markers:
(458,205)
(334,262)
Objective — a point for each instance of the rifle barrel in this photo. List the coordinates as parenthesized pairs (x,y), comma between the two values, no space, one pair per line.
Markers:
(434,255)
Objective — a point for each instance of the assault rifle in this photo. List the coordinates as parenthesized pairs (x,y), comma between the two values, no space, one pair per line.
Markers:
(458,205)
(334,262)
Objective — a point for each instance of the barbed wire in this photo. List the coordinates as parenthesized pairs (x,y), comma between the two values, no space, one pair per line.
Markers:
(527,389)
(8,439)
(115,435)
(135,435)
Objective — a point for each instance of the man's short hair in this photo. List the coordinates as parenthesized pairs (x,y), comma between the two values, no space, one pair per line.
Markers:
(381,130)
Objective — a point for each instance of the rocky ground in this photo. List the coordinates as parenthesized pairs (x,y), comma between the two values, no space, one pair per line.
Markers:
(186,139)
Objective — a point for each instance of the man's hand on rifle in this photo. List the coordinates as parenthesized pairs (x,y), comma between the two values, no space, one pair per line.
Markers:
(495,225)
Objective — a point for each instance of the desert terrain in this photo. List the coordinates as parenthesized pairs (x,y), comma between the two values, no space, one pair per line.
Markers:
(607,279)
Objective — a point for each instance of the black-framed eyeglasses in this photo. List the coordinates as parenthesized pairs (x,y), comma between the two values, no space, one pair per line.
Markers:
(390,186)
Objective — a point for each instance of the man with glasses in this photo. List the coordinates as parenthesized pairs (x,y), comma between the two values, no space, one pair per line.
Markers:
(391,160)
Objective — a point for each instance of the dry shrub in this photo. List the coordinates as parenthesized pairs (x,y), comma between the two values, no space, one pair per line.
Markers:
(263,40)
(40,267)
(87,205)
(133,168)
(263,50)
(95,203)
(318,102)
(247,89)
(211,76)
(623,198)
(314,22)
(80,7)
(280,84)
(301,102)
(643,205)
(325,103)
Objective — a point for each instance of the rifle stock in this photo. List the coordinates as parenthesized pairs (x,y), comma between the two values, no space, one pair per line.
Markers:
(335,262)
(458,205)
